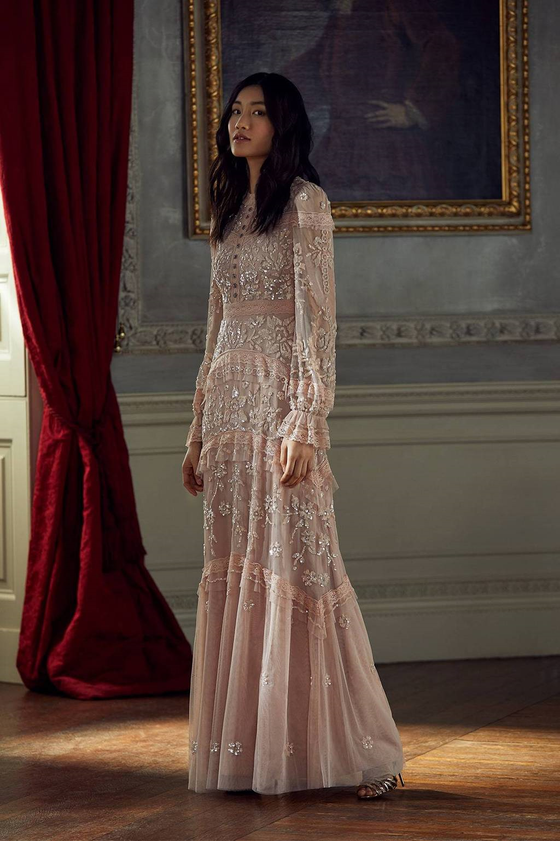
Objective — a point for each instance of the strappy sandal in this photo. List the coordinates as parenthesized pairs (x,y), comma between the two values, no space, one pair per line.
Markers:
(378,787)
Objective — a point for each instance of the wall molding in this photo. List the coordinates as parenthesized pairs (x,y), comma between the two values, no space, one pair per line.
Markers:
(442,398)
(446,508)
(433,595)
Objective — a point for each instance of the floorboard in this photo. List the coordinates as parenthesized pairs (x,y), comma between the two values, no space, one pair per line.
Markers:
(481,739)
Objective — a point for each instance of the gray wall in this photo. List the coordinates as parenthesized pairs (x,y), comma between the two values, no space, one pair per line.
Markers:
(380,275)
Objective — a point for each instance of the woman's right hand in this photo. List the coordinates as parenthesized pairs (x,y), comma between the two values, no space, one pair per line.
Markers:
(191,481)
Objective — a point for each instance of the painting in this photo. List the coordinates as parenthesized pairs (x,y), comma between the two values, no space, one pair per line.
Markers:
(416,114)
(419,107)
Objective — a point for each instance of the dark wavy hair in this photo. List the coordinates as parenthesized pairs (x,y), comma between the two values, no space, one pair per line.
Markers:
(288,158)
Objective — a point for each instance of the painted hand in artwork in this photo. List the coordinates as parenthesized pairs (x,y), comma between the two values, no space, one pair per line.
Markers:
(394,115)
(343,7)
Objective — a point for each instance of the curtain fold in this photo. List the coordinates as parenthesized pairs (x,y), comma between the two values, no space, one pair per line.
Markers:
(94,623)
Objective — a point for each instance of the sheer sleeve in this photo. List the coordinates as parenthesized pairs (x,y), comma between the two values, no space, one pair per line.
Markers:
(313,369)
(215,312)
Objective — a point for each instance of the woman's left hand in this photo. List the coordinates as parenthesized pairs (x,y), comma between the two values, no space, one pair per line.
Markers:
(297,460)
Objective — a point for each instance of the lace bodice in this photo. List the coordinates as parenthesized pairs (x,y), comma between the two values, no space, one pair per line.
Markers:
(272,296)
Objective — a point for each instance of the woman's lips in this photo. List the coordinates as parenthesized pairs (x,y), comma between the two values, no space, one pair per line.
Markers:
(241,139)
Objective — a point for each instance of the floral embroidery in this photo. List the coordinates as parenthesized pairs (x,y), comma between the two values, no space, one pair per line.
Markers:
(265,679)
(328,680)
(327,514)
(312,577)
(367,742)
(320,253)
(236,484)
(248,283)
(270,335)
(225,507)
(235,748)
(194,746)
(248,605)
(343,621)
(304,511)
(214,747)
(290,748)
(271,504)
(324,547)
(208,518)
(218,473)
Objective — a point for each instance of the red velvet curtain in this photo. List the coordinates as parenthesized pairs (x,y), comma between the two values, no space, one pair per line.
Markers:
(94,623)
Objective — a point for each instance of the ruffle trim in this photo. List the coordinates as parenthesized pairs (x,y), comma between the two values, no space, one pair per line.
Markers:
(238,363)
(305,427)
(317,611)
(261,453)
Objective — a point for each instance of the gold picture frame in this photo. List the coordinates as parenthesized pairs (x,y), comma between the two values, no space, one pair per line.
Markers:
(202,50)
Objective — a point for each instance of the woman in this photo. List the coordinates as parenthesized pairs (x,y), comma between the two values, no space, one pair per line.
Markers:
(284,692)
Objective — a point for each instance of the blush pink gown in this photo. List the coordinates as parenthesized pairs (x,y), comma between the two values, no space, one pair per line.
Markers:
(284,692)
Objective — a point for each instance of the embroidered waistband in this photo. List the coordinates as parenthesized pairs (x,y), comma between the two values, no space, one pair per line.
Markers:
(259,306)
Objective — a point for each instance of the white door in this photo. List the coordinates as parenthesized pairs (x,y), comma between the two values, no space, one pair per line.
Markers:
(20,417)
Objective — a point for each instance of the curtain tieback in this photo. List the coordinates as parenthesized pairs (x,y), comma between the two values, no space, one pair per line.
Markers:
(92,434)
(111,538)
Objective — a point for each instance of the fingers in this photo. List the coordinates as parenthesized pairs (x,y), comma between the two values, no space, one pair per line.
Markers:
(296,461)
(283,453)
(295,471)
(191,481)
(383,121)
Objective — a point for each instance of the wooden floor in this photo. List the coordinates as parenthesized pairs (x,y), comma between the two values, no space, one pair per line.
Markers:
(481,739)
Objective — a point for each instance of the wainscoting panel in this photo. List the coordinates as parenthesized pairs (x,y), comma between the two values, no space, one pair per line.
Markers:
(448,513)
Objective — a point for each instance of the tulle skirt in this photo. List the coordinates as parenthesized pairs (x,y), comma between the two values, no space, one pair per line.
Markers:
(284,691)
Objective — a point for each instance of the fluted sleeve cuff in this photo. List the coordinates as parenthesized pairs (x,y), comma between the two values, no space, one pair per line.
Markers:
(195,430)
(305,427)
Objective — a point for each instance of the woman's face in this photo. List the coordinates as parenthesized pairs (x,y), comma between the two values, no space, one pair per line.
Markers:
(249,118)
